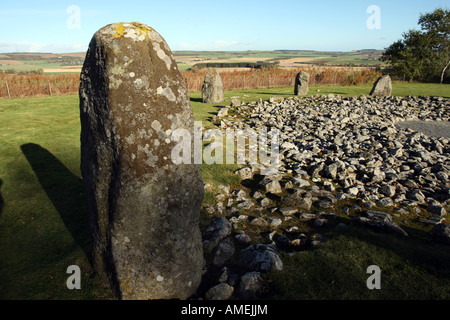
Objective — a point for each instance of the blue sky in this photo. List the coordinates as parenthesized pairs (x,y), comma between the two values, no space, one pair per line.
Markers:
(325,25)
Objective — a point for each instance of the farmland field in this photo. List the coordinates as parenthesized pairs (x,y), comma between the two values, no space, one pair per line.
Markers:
(49,63)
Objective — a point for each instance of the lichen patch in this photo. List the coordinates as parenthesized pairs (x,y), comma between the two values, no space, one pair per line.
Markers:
(166,92)
(162,55)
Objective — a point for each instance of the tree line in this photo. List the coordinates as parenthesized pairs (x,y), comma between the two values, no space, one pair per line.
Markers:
(422,55)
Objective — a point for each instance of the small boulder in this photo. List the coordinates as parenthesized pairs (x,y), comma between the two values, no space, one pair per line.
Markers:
(382,87)
(301,84)
(212,90)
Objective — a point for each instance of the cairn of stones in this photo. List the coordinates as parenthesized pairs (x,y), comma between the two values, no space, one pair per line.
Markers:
(212,90)
(143,209)
(301,84)
(339,156)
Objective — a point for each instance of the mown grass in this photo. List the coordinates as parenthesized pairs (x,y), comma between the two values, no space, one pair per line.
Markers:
(43,222)
(410,269)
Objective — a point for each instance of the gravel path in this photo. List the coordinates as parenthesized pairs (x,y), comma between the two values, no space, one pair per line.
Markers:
(430,128)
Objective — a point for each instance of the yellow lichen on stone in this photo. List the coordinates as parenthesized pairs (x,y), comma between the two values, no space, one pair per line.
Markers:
(121,29)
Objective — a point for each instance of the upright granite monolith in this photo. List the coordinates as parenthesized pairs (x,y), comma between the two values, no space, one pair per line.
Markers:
(301,84)
(144,209)
(212,90)
(382,87)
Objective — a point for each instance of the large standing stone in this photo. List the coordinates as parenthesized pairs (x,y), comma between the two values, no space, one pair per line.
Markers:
(382,87)
(301,84)
(144,209)
(212,90)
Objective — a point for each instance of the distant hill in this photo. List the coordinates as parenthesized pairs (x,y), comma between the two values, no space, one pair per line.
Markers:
(72,62)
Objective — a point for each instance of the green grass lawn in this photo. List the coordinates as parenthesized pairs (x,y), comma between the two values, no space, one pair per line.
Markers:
(43,223)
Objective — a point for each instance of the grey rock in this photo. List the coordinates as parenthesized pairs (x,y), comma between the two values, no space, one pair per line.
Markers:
(246,204)
(325,204)
(385,202)
(298,199)
(245,173)
(243,238)
(221,291)
(219,229)
(275,222)
(380,221)
(143,207)
(259,222)
(276,99)
(301,183)
(378,176)
(307,216)
(257,195)
(387,190)
(212,90)
(330,171)
(251,286)
(382,87)
(224,252)
(223,112)
(416,195)
(261,257)
(301,84)
(434,220)
(265,202)
(271,185)
(235,102)
(288,211)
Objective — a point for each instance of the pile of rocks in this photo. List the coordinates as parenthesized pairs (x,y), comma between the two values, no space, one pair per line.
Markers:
(340,156)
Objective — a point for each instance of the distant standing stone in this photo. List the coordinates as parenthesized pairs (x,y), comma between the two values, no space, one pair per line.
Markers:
(301,84)
(382,87)
(212,90)
(144,209)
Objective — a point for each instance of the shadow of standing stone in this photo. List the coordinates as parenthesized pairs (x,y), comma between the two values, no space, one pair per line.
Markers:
(144,209)
(1,198)
(65,191)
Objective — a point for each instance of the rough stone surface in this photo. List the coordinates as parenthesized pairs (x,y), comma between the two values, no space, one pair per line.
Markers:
(301,84)
(219,229)
(144,209)
(222,291)
(225,251)
(261,258)
(212,90)
(251,286)
(382,87)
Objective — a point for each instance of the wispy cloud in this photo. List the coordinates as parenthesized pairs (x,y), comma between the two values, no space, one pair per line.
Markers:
(9,46)
(210,45)
(31,12)
(38,12)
